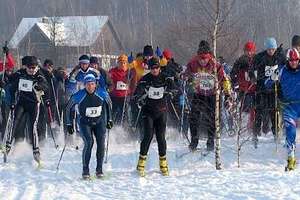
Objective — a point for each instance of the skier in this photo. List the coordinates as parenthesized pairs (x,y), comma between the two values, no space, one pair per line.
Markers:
(94,63)
(151,94)
(124,82)
(30,86)
(242,83)
(94,107)
(200,74)
(265,63)
(288,80)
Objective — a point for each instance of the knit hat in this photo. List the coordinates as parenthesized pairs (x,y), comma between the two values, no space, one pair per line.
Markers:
(25,60)
(32,61)
(153,62)
(292,54)
(203,48)
(94,59)
(148,50)
(296,40)
(270,43)
(250,46)
(167,54)
(84,59)
(48,62)
(122,58)
(89,78)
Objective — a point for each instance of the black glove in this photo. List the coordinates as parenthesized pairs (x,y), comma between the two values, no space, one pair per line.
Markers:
(141,102)
(37,87)
(70,129)
(5,50)
(12,106)
(109,124)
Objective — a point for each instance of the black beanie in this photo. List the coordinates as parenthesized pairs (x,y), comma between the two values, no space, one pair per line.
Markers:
(32,61)
(203,47)
(148,50)
(153,62)
(49,62)
(94,59)
(296,40)
(25,60)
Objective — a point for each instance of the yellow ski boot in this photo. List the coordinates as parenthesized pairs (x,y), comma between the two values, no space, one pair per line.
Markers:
(291,163)
(163,164)
(141,165)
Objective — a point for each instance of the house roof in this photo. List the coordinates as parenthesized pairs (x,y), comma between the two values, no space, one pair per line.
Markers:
(69,30)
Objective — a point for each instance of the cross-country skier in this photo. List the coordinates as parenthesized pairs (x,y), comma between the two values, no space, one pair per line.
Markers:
(28,87)
(288,80)
(265,63)
(94,107)
(200,74)
(152,93)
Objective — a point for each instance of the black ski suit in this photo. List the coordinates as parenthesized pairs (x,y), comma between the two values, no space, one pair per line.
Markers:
(152,92)
(26,91)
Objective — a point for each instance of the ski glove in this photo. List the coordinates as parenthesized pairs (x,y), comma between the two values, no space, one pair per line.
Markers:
(5,50)
(158,52)
(109,124)
(12,106)
(70,129)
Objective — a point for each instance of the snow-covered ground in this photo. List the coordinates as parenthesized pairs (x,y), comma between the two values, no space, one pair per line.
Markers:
(193,176)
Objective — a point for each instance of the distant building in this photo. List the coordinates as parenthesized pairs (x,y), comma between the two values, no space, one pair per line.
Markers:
(64,39)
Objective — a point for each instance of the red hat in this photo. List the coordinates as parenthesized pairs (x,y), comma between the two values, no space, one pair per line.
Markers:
(167,54)
(250,46)
(292,54)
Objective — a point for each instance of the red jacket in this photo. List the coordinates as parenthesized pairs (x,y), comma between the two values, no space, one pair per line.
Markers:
(203,78)
(123,81)
(10,63)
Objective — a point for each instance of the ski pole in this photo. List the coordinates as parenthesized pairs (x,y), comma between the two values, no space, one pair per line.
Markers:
(106,150)
(56,101)
(61,155)
(4,62)
(50,128)
(137,118)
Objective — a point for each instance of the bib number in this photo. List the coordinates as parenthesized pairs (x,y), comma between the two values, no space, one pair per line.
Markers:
(156,93)
(205,81)
(25,85)
(93,111)
(121,85)
(269,70)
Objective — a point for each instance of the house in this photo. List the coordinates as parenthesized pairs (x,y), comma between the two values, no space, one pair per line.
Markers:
(64,39)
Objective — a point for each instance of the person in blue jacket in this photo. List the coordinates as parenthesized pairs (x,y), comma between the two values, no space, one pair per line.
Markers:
(288,80)
(75,80)
(94,117)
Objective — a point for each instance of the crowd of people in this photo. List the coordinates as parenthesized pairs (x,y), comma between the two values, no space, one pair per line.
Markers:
(145,93)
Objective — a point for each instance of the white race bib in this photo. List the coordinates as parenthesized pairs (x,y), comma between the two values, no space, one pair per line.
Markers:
(205,81)
(156,93)
(269,70)
(93,111)
(25,85)
(121,85)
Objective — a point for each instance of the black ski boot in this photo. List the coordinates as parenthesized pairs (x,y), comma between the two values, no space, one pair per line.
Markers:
(86,173)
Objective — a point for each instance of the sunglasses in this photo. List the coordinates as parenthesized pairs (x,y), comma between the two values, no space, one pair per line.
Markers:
(32,67)
(155,67)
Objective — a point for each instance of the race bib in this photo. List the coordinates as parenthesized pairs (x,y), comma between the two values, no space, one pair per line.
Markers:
(269,70)
(25,85)
(204,81)
(156,93)
(121,85)
(93,111)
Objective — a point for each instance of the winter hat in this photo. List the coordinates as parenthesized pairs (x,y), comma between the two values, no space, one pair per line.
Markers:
(292,55)
(94,59)
(148,50)
(25,60)
(204,48)
(153,62)
(89,78)
(32,61)
(167,54)
(270,43)
(122,58)
(250,46)
(84,59)
(296,40)
(49,62)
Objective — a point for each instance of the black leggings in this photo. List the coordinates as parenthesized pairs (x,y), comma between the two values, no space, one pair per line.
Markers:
(155,125)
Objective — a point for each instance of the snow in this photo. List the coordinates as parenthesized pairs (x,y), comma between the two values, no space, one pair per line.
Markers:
(193,176)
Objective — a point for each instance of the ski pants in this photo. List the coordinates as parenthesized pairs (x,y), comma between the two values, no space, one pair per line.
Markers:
(43,121)
(291,113)
(4,113)
(22,111)
(265,112)
(203,106)
(117,109)
(154,124)
(87,132)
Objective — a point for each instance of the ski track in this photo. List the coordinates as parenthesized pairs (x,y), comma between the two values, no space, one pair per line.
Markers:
(193,176)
